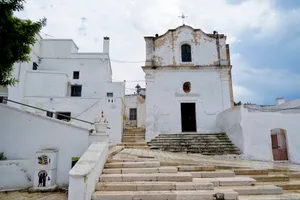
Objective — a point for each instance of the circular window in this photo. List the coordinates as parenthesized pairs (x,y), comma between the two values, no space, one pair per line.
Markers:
(187,87)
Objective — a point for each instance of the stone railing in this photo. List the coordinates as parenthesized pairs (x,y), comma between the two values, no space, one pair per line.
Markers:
(84,176)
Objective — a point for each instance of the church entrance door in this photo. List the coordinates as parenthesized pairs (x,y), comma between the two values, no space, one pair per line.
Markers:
(188,117)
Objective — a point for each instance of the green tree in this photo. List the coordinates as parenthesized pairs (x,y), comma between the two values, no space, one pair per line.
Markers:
(238,103)
(16,37)
(2,157)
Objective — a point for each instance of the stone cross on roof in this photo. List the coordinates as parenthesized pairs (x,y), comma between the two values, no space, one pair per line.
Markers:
(183,18)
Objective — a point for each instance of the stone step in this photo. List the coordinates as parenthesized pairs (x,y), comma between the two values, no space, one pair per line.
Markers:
(251,171)
(112,160)
(153,186)
(190,140)
(291,196)
(291,185)
(162,195)
(192,146)
(133,144)
(196,168)
(132,164)
(191,134)
(229,181)
(270,178)
(179,177)
(254,190)
(215,174)
(141,170)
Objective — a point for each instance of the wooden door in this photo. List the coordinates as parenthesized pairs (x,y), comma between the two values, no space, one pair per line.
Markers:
(279,149)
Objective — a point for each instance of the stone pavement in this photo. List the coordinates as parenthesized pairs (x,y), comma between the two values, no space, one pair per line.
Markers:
(197,159)
(32,196)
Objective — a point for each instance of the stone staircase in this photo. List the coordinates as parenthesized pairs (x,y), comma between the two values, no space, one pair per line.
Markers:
(146,179)
(205,144)
(134,137)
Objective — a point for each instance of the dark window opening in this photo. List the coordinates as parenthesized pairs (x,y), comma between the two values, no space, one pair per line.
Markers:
(76,75)
(76,90)
(186,54)
(3,100)
(109,94)
(132,114)
(34,66)
(187,87)
(49,114)
(65,116)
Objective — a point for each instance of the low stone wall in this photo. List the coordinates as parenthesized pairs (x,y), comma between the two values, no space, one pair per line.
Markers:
(85,174)
(15,175)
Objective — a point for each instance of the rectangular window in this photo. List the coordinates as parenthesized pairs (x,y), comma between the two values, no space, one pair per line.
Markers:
(65,116)
(110,94)
(76,75)
(76,90)
(3,100)
(49,114)
(132,114)
(34,66)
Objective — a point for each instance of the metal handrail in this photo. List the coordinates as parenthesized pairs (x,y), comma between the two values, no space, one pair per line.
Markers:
(49,111)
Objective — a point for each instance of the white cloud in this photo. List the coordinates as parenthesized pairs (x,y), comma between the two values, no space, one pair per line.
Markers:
(128,21)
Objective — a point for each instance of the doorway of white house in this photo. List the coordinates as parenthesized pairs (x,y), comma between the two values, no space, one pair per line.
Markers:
(279,144)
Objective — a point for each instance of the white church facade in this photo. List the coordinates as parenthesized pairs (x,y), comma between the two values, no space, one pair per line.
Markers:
(188,81)
(60,79)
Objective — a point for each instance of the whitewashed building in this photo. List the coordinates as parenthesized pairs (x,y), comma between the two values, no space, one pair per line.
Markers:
(59,78)
(188,81)
(269,133)
(135,108)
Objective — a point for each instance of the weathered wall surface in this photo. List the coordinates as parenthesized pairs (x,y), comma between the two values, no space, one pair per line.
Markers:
(15,174)
(230,122)
(23,133)
(209,90)
(166,49)
(255,131)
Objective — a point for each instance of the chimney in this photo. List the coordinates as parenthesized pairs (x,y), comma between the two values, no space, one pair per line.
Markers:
(279,100)
(106,44)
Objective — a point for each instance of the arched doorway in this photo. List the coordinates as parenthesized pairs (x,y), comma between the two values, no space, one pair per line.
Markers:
(279,144)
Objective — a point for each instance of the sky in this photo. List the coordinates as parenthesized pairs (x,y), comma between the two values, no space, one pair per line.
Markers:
(264,36)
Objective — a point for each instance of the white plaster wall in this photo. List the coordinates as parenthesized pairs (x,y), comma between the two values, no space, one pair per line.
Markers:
(230,122)
(57,48)
(132,101)
(84,176)
(204,48)
(15,174)
(87,109)
(257,128)
(23,133)
(163,113)
(252,130)
(46,83)
(141,113)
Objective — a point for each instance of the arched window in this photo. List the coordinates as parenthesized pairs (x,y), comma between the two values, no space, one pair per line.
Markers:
(186,55)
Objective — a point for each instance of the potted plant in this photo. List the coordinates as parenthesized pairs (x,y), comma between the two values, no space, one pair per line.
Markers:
(101,125)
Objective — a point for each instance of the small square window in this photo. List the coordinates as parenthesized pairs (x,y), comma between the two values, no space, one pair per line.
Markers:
(49,114)
(76,75)
(65,116)
(76,90)
(109,94)
(34,66)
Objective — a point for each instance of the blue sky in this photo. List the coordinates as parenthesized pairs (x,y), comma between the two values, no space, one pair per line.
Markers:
(264,36)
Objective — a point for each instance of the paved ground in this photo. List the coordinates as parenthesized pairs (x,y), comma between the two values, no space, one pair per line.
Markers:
(191,159)
(32,196)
